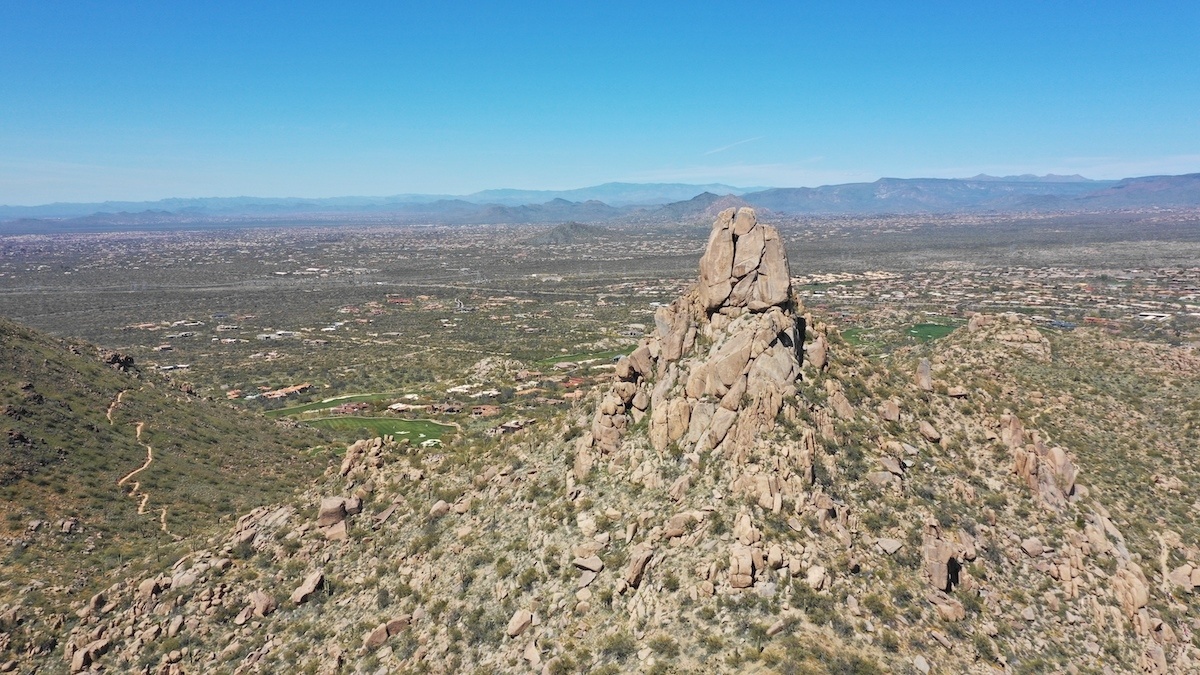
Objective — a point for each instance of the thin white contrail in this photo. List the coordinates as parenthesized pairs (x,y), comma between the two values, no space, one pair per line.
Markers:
(723,148)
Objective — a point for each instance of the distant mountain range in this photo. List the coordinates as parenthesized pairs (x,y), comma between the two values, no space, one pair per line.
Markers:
(616,202)
(917,195)
(611,194)
(1030,178)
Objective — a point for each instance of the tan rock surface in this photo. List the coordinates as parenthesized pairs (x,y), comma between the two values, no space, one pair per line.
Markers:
(521,620)
(310,585)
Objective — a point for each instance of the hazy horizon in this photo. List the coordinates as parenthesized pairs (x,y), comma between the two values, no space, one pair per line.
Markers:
(739,189)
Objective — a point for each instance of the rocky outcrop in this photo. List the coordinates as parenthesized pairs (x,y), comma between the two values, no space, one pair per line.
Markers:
(1047,471)
(924,375)
(1015,332)
(721,361)
(1131,589)
(741,566)
(942,558)
(744,264)
(682,520)
(85,656)
(117,360)
(332,515)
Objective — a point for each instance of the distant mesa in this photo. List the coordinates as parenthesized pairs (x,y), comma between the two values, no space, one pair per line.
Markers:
(1149,191)
(555,210)
(570,233)
(1031,178)
(613,194)
(704,206)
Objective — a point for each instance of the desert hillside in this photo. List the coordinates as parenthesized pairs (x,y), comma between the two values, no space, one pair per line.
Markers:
(747,492)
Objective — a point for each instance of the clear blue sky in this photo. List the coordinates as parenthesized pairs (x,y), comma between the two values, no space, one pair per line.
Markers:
(125,100)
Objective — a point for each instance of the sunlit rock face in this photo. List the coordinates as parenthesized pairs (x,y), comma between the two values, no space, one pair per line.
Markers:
(722,359)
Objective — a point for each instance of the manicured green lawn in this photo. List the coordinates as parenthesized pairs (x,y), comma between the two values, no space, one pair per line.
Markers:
(890,337)
(927,332)
(330,403)
(416,431)
(853,335)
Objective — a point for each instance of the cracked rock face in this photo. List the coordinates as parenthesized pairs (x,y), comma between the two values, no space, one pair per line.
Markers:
(722,358)
(744,265)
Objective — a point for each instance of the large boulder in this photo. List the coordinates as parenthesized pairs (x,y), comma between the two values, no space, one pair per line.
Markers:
(1131,588)
(520,621)
(741,567)
(375,638)
(744,264)
(639,557)
(85,656)
(311,583)
(924,375)
(331,511)
(941,558)
(263,603)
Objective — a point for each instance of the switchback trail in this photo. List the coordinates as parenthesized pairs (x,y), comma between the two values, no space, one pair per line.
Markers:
(113,406)
(137,486)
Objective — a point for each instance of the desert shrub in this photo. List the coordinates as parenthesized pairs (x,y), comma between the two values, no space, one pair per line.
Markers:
(503,567)
(878,606)
(670,582)
(618,646)
(528,578)
(664,645)
(819,608)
